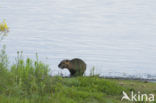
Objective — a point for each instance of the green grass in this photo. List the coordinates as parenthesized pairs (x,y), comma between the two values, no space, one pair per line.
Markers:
(28,81)
(79,90)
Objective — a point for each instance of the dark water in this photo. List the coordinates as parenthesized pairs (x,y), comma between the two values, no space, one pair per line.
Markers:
(117,37)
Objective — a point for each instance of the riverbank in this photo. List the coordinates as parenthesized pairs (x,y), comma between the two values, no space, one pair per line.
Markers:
(29,81)
(81,90)
(129,78)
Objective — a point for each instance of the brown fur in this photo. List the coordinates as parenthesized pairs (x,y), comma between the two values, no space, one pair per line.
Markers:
(75,66)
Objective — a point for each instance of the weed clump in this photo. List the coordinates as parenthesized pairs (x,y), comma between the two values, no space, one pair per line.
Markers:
(27,77)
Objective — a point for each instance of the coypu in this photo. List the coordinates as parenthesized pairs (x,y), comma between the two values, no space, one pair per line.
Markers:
(75,66)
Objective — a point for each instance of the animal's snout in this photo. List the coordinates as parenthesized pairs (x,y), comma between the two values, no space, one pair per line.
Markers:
(59,65)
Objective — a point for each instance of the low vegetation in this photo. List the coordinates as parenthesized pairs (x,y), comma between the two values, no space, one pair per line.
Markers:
(29,81)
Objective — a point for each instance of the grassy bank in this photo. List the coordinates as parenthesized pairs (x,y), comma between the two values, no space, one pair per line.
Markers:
(28,81)
(75,90)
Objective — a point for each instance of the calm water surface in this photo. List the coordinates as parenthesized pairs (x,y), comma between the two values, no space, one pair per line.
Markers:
(117,37)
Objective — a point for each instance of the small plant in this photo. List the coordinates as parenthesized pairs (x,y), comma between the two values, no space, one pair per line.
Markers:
(3,26)
(3,29)
(92,71)
(3,59)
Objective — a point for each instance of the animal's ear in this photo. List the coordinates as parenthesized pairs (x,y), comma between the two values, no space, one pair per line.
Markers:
(67,61)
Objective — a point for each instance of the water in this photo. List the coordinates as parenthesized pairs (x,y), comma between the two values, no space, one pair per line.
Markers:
(117,37)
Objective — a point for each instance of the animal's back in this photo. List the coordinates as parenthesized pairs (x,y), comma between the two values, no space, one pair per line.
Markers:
(78,65)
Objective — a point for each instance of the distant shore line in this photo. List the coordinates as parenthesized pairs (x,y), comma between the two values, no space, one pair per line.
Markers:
(130,78)
(123,78)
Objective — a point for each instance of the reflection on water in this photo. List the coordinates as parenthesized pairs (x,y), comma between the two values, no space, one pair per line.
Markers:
(116,37)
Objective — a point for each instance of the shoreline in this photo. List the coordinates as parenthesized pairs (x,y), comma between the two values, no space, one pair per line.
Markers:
(122,78)
(129,78)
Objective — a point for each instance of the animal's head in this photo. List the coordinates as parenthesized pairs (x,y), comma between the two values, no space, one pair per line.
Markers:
(64,64)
